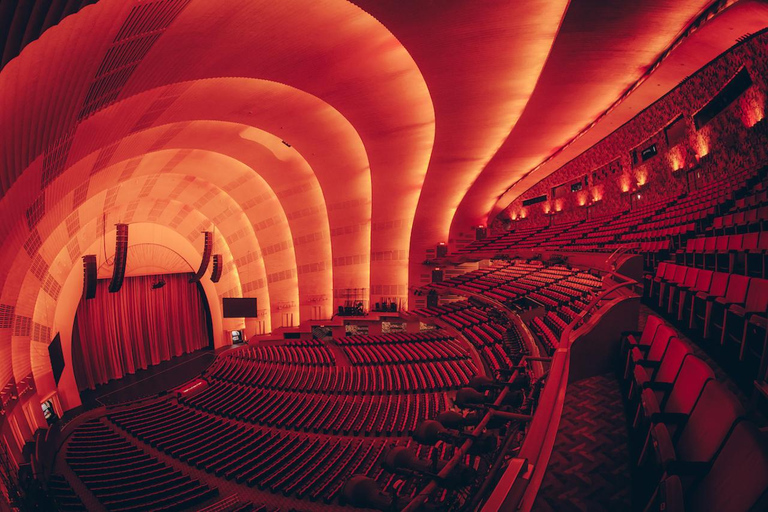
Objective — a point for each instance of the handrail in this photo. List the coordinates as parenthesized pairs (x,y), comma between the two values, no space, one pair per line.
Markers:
(566,335)
(432,486)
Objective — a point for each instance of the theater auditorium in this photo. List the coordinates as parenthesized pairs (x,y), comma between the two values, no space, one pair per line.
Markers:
(384,255)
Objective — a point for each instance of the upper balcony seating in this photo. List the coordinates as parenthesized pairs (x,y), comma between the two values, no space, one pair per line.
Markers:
(741,254)
(124,478)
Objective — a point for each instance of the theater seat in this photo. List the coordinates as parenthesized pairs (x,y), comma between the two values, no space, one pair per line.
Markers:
(736,481)
(701,305)
(631,339)
(664,376)
(688,450)
(675,404)
(652,358)
(738,317)
(735,296)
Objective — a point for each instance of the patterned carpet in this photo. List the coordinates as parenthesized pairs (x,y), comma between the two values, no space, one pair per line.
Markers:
(590,465)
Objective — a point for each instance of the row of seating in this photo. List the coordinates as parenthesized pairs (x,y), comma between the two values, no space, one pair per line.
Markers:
(500,346)
(743,254)
(692,429)
(290,354)
(63,495)
(124,478)
(729,309)
(373,354)
(301,465)
(426,376)
(360,415)
(395,338)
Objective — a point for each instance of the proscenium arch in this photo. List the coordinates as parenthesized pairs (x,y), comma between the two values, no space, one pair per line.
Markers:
(65,314)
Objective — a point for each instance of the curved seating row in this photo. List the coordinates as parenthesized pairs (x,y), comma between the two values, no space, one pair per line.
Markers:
(293,464)
(426,376)
(359,415)
(374,354)
(126,479)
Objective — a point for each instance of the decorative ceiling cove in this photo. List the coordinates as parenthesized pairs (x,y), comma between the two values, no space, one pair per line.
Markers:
(328,144)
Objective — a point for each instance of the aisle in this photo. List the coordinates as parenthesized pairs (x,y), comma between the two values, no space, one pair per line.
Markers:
(590,465)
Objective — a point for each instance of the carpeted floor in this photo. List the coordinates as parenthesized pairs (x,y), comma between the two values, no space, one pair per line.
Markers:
(590,465)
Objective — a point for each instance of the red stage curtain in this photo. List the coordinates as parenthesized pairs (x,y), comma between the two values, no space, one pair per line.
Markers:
(118,333)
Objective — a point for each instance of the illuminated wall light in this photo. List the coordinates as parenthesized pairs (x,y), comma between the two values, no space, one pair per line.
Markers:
(702,145)
(642,178)
(624,183)
(559,205)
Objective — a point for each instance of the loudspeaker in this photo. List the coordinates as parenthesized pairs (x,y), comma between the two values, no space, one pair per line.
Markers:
(481,232)
(217,268)
(121,255)
(441,251)
(89,276)
(437,276)
(207,250)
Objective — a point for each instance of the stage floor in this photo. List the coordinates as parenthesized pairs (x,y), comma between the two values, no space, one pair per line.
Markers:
(164,376)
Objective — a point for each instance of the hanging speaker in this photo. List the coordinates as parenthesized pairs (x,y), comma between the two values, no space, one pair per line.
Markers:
(121,255)
(207,250)
(217,268)
(89,276)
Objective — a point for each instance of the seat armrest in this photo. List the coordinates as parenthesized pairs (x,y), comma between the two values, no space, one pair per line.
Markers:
(759,320)
(671,495)
(662,445)
(641,377)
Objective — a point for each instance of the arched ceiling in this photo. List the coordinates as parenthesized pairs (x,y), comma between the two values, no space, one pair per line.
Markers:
(328,143)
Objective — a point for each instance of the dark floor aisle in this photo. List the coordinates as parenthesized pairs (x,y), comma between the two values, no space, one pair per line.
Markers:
(590,465)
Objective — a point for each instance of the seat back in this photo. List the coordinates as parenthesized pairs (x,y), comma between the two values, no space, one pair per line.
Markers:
(710,244)
(672,361)
(749,241)
(698,244)
(719,284)
(715,412)
(691,276)
(737,289)
(763,243)
(704,280)
(660,341)
(649,332)
(734,242)
(757,296)
(661,269)
(738,477)
(690,380)
(680,273)
(669,272)
(721,244)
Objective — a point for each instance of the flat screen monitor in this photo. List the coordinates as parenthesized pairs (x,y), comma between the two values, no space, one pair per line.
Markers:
(239,307)
(237,337)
